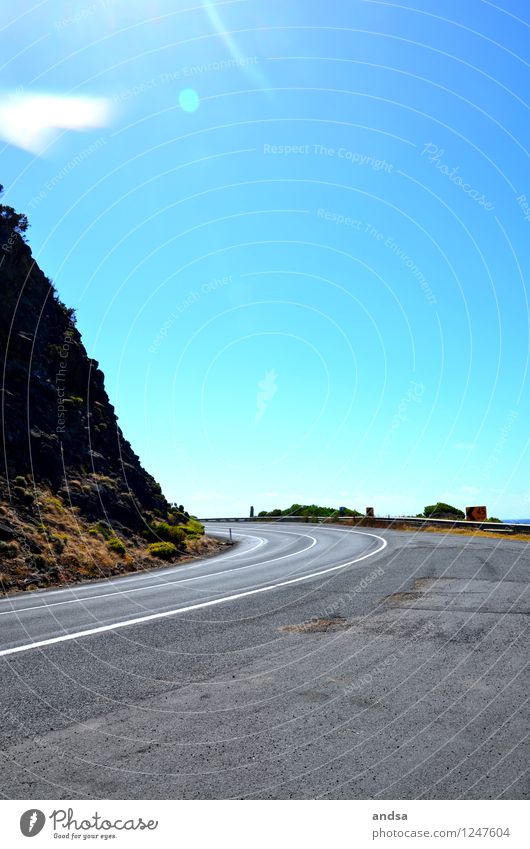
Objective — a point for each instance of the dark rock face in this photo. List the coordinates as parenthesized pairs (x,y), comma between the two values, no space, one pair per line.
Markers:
(57,424)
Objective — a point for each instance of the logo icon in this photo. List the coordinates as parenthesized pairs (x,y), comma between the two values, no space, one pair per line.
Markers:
(32,822)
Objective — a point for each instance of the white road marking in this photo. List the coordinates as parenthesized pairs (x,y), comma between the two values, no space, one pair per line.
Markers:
(164,615)
(82,599)
(139,576)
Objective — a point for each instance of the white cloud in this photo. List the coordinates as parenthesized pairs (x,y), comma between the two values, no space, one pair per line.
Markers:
(29,121)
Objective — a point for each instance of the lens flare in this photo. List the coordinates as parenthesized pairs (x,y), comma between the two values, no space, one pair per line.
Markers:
(189,100)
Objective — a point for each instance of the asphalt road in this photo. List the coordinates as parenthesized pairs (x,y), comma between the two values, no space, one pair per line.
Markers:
(306,662)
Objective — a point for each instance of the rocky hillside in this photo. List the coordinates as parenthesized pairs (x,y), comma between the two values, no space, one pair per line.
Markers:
(75,500)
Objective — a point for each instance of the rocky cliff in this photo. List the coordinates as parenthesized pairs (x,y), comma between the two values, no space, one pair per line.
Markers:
(71,487)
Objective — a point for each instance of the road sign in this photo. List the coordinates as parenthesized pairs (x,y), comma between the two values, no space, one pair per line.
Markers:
(476,514)
(370,511)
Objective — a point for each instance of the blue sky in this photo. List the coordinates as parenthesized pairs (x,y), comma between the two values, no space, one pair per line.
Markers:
(295,235)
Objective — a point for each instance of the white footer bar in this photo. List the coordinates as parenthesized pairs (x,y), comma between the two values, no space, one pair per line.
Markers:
(236,824)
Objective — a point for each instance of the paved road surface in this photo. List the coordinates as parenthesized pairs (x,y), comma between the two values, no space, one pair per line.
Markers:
(305,662)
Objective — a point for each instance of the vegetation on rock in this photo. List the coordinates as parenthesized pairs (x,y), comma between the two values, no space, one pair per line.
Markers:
(442,511)
(74,497)
(163,550)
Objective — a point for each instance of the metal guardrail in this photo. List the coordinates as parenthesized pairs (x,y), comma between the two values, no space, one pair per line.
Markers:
(501,527)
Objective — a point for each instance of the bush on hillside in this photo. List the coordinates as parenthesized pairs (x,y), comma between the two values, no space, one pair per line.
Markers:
(193,529)
(116,545)
(163,550)
(164,532)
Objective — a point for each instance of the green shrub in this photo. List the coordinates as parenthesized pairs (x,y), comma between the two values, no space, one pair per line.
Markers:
(176,518)
(167,533)
(163,550)
(432,510)
(104,529)
(116,545)
(69,312)
(54,504)
(159,531)
(310,511)
(193,529)
(20,480)
(177,535)
(178,512)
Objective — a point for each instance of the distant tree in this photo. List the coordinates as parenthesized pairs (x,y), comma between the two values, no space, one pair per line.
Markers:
(441,509)
(16,222)
(309,510)
(293,510)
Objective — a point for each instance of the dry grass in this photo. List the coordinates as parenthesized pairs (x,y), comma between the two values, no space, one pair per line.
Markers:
(54,545)
(204,546)
(436,529)
(476,533)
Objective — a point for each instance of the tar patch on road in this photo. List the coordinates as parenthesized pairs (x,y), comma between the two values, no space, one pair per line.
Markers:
(464,595)
(318,626)
(410,595)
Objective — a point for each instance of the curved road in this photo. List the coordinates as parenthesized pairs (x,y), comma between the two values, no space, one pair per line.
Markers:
(266,559)
(308,661)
